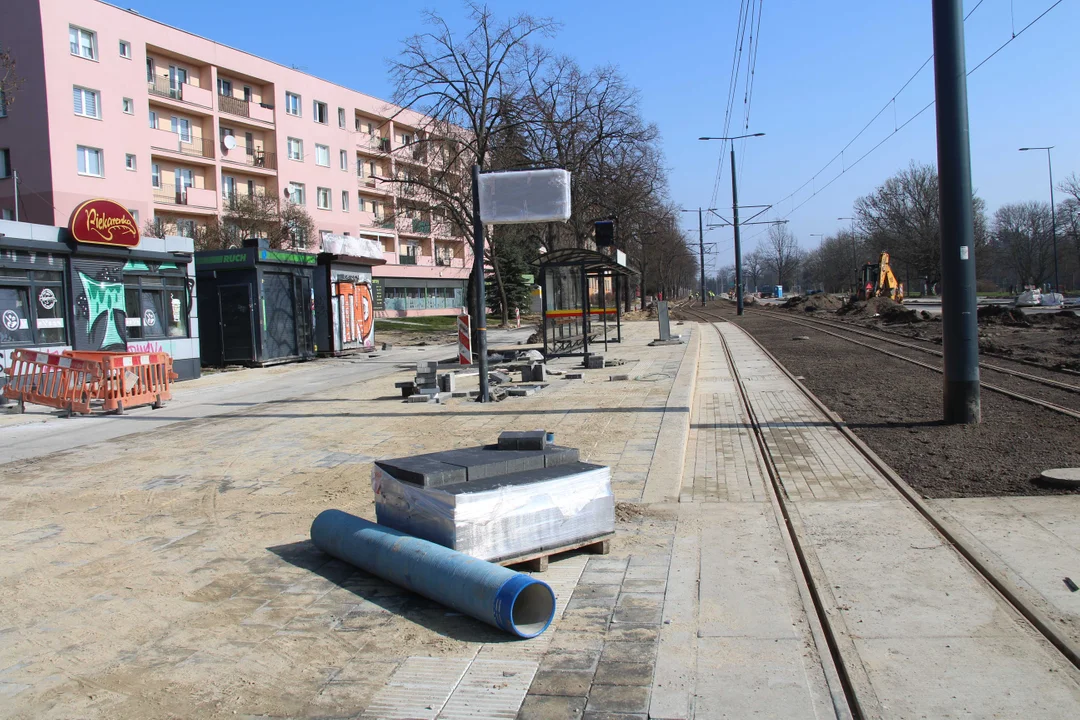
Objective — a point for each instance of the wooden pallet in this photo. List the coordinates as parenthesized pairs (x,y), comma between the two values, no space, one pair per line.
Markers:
(537,560)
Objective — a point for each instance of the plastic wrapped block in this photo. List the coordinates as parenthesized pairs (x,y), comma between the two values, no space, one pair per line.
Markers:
(502,517)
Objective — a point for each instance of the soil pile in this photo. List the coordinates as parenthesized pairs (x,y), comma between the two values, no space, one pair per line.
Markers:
(1002,315)
(884,308)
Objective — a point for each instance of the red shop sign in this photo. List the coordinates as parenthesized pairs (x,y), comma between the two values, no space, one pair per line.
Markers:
(104,222)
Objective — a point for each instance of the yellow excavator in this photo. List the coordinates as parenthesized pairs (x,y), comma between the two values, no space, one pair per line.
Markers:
(878,280)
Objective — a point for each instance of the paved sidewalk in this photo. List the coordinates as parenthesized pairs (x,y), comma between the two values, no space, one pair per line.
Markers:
(930,637)
(41,430)
(168,573)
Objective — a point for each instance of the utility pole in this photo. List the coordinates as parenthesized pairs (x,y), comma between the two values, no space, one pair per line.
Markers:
(1053,210)
(960,331)
(701,252)
(480,325)
(15,179)
(738,246)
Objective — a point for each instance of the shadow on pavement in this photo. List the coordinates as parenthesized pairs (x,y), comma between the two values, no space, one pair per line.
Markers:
(387,596)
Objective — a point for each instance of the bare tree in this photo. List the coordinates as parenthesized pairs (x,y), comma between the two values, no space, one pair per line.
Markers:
(1023,233)
(781,254)
(465,87)
(753,268)
(10,81)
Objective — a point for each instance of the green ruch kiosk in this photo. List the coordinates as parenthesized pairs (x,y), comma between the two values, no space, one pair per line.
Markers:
(259,305)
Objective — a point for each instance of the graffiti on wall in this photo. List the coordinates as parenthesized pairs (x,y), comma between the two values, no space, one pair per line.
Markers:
(357,314)
(100,309)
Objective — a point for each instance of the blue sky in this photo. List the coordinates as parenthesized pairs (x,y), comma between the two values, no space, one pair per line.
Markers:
(824,68)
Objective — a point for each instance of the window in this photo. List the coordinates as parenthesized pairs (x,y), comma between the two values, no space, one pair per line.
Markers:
(182,127)
(129,106)
(90,161)
(360,203)
(149,69)
(185,228)
(153,120)
(156,306)
(343,159)
(322,198)
(7,214)
(155,175)
(5,163)
(345,201)
(292,104)
(405,138)
(296,149)
(322,155)
(296,193)
(83,42)
(319,111)
(3,104)
(86,103)
(125,49)
(129,161)
(247,93)
(341,118)
(32,306)
(224,87)
(134,215)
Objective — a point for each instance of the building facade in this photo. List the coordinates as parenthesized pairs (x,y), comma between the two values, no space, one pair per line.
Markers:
(179,129)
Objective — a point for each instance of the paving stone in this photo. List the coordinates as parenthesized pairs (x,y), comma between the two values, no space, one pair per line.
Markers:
(584,622)
(644,585)
(629,652)
(574,376)
(639,608)
(571,683)
(620,632)
(606,563)
(602,577)
(564,641)
(618,699)
(584,589)
(579,660)
(624,673)
(613,716)
(551,707)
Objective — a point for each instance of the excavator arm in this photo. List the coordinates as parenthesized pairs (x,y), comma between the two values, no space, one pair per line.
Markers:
(887,283)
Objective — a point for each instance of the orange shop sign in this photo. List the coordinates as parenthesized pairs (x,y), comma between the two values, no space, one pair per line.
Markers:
(104,222)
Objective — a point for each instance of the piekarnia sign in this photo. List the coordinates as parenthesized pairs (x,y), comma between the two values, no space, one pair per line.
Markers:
(104,222)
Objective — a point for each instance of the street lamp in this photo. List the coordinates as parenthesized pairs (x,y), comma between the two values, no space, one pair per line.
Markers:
(735,218)
(1053,212)
(854,259)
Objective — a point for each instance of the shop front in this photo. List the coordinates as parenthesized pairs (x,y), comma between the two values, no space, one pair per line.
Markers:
(344,295)
(97,285)
(260,303)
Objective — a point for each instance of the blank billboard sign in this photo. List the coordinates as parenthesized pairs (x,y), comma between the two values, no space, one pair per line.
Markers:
(525,196)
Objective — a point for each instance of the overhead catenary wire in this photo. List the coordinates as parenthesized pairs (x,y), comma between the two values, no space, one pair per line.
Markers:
(897,128)
(733,84)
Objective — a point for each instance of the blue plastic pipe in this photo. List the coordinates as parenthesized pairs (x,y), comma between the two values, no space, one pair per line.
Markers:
(511,601)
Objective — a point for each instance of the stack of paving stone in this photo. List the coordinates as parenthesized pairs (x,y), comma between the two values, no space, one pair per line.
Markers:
(497,502)
(426,384)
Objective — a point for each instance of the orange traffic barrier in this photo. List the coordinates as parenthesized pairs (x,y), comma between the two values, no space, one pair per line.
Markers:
(130,379)
(58,381)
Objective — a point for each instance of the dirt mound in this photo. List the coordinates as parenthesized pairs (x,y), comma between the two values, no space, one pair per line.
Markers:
(884,308)
(1002,315)
(813,303)
(1064,319)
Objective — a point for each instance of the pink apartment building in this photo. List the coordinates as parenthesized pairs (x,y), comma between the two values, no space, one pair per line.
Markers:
(175,126)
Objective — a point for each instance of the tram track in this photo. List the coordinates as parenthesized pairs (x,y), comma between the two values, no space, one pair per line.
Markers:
(839,649)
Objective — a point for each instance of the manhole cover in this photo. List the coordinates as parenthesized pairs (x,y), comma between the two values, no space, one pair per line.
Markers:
(1065,477)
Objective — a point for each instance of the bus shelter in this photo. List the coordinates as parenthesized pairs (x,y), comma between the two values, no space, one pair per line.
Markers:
(580,300)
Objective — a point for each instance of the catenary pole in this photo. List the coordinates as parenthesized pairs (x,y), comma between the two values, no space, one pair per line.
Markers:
(478,290)
(738,246)
(960,336)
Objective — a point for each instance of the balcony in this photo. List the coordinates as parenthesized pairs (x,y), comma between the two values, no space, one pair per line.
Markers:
(421,226)
(246,109)
(191,145)
(368,182)
(407,259)
(250,156)
(181,195)
(449,261)
(384,223)
(181,92)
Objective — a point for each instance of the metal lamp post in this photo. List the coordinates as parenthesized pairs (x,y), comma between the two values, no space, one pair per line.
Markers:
(735,219)
(1053,211)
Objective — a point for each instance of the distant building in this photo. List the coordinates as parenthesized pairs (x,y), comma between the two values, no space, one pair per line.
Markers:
(176,127)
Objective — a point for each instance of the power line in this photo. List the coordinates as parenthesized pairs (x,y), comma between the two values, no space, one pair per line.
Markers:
(897,128)
(733,84)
